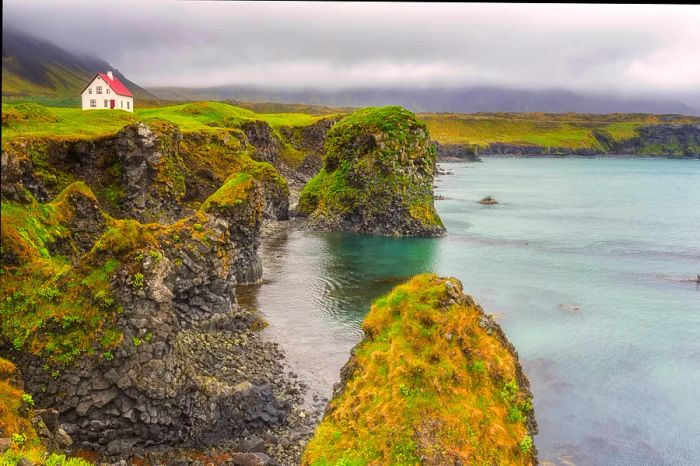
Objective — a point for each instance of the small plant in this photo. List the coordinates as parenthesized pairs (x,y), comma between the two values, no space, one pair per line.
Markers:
(176,238)
(107,356)
(198,226)
(510,390)
(138,281)
(27,399)
(137,341)
(48,292)
(139,257)
(104,301)
(525,444)
(149,337)
(19,439)
(55,374)
(478,367)
(405,391)
(155,255)
(514,415)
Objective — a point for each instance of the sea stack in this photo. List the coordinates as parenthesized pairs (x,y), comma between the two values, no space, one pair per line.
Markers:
(377,176)
(435,381)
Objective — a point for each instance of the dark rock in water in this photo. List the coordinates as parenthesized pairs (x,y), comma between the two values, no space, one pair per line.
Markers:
(377,176)
(488,200)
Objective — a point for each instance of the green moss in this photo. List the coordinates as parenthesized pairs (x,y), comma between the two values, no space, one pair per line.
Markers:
(49,306)
(233,192)
(377,160)
(414,396)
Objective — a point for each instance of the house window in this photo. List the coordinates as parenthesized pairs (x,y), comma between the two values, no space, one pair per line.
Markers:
(89,90)
(99,89)
(107,91)
(93,102)
(106,103)
(127,105)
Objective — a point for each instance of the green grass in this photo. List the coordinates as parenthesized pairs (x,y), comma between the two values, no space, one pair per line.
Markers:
(548,130)
(74,123)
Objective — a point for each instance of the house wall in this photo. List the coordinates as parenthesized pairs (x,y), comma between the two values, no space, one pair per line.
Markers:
(120,102)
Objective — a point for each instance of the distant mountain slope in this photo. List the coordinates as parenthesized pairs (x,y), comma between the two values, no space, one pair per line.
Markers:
(458,100)
(33,67)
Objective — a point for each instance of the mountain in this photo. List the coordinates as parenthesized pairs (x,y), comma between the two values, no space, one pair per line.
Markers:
(457,100)
(33,67)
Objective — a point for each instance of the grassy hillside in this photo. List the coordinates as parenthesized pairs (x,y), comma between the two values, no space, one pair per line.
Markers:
(36,69)
(28,119)
(540,129)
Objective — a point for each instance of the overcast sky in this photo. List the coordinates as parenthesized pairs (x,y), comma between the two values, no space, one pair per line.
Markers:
(600,48)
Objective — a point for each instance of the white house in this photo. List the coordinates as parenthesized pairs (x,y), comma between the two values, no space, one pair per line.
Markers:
(106,91)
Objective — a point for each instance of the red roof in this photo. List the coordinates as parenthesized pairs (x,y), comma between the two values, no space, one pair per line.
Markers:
(116,85)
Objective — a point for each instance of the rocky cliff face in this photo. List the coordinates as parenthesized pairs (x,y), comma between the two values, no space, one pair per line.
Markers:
(663,140)
(377,176)
(668,139)
(456,152)
(119,306)
(434,382)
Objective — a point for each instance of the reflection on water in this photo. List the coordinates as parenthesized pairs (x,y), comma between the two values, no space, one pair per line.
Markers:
(317,288)
(587,263)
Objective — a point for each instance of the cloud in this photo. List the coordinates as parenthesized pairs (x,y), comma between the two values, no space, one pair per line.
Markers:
(599,48)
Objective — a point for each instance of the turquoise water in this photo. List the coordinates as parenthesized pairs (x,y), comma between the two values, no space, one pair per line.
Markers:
(585,264)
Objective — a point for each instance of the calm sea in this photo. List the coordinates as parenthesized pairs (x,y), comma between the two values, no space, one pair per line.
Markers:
(586,264)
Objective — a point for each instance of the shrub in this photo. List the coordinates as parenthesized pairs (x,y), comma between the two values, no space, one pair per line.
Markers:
(525,444)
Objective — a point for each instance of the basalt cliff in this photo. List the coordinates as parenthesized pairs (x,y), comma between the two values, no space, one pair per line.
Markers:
(121,255)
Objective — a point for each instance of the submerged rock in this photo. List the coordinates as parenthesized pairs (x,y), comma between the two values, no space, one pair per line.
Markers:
(377,176)
(434,382)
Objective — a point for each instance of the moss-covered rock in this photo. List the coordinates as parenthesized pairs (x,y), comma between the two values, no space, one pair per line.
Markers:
(241,203)
(27,433)
(435,382)
(377,176)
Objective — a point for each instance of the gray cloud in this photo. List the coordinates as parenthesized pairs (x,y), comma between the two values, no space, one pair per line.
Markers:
(624,49)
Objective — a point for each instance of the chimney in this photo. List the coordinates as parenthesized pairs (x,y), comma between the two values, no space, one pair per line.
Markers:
(109,75)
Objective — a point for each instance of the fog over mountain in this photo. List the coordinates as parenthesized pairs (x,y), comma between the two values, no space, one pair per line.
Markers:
(447,57)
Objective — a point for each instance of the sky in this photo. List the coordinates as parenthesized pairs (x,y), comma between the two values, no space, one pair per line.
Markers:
(621,49)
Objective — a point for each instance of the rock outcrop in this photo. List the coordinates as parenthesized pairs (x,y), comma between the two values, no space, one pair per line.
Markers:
(377,176)
(150,345)
(119,304)
(434,382)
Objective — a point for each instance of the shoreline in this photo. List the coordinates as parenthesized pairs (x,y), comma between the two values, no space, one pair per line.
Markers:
(483,157)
